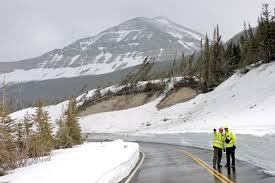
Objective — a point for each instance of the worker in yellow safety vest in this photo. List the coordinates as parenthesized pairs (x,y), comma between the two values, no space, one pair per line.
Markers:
(218,145)
(230,140)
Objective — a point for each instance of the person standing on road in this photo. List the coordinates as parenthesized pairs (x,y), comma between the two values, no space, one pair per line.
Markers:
(218,145)
(230,140)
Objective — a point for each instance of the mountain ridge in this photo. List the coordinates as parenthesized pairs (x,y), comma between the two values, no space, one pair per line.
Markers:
(116,48)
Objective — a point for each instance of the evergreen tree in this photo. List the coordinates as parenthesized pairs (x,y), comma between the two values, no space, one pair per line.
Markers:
(265,34)
(7,141)
(182,65)
(272,38)
(189,67)
(44,128)
(7,152)
(28,125)
(206,61)
(28,136)
(232,58)
(6,123)
(244,41)
(216,59)
(20,137)
(213,61)
(72,122)
(62,138)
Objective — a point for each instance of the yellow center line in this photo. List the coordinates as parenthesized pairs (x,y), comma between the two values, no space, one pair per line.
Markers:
(215,171)
(217,174)
(211,171)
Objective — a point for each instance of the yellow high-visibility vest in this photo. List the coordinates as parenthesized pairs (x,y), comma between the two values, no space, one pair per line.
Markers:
(218,140)
(230,136)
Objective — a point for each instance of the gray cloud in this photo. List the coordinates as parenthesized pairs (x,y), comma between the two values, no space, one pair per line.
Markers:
(32,27)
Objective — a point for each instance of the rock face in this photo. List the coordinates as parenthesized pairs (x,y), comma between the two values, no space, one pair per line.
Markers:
(117,48)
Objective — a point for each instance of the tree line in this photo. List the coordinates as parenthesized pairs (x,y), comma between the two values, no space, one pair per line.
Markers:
(34,137)
(217,61)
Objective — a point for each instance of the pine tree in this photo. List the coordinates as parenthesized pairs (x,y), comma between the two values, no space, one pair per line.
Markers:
(6,123)
(272,38)
(264,34)
(72,122)
(62,138)
(28,135)
(28,125)
(213,61)
(244,42)
(20,137)
(216,59)
(189,66)
(44,128)
(206,61)
(182,65)
(232,58)
(7,141)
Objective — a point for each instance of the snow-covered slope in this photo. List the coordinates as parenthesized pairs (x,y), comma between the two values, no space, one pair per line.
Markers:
(88,163)
(245,102)
(117,48)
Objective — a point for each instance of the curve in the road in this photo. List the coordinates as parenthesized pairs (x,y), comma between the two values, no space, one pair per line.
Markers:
(136,168)
(166,163)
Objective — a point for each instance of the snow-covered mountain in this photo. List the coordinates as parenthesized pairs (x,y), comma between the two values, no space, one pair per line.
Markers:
(117,48)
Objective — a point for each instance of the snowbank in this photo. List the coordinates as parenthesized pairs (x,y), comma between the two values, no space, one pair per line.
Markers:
(91,162)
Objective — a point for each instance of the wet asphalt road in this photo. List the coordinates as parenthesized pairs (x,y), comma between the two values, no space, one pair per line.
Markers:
(167,164)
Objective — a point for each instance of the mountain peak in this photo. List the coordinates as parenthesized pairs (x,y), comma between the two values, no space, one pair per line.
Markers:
(162,19)
(116,48)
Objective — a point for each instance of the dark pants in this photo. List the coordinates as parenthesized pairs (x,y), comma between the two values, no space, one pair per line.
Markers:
(217,156)
(230,151)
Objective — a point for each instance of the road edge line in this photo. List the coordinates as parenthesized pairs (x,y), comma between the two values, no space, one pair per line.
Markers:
(133,172)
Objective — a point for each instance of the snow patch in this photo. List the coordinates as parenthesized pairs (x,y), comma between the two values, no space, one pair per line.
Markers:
(56,58)
(73,59)
(40,74)
(134,44)
(88,163)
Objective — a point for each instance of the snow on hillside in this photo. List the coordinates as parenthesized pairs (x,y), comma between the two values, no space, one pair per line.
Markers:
(88,163)
(40,74)
(245,102)
(55,113)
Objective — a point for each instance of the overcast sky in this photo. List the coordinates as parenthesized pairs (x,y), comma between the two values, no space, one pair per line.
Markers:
(30,28)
